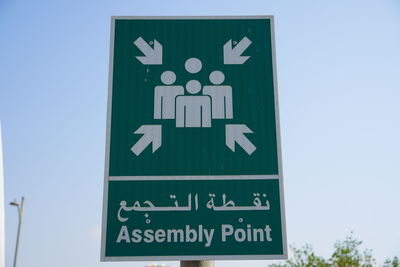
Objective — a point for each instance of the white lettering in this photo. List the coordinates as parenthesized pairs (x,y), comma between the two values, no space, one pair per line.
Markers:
(191,234)
(160,235)
(123,235)
(200,233)
(248,234)
(209,236)
(137,236)
(227,230)
(242,235)
(148,236)
(268,233)
(260,232)
(175,233)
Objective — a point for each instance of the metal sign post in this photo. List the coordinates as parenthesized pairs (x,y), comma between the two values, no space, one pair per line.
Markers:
(197,263)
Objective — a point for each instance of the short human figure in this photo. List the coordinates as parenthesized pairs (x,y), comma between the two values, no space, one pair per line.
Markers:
(193,110)
(164,96)
(221,96)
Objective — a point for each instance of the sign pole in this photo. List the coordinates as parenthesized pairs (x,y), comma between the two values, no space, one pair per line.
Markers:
(197,263)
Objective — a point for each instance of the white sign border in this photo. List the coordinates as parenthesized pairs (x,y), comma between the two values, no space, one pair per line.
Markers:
(108,178)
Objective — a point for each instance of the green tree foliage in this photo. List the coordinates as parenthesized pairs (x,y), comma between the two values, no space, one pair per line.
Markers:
(303,257)
(347,253)
(392,262)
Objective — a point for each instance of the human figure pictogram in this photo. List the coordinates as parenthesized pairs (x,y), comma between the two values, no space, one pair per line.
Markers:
(164,96)
(221,96)
(193,110)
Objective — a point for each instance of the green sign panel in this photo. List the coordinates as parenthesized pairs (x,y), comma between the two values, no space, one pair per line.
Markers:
(193,166)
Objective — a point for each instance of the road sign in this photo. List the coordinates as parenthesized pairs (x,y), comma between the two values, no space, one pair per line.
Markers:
(193,166)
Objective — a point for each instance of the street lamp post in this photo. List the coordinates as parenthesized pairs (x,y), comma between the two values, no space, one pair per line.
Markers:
(20,208)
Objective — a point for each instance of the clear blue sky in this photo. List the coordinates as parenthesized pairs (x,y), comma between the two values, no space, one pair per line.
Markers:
(339,86)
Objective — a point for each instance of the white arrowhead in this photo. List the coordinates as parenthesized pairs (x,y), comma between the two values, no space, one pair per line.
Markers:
(152,56)
(151,134)
(233,55)
(235,133)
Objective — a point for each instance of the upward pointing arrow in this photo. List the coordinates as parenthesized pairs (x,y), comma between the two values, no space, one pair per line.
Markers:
(233,55)
(235,133)
(151,134)
(152,56)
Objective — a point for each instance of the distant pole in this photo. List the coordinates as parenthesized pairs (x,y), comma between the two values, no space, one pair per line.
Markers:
(197,263)
(2,223)
(20,208)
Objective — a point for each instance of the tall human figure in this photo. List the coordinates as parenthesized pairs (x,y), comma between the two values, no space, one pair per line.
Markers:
(193,110)
(164,96)
(221,96)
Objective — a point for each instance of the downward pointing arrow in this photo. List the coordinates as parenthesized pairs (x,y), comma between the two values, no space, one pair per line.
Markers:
(152,56)
(233,55)
(151,134)
(235,133)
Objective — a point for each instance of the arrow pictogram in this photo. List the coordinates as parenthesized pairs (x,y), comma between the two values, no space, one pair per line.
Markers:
(151,134)
(152,56)
(234,55)
(235,133)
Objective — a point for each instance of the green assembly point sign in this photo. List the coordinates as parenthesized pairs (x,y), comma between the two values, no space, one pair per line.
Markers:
(193,166)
